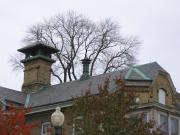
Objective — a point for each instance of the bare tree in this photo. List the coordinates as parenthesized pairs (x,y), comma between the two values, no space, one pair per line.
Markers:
(77,37)
(15,62)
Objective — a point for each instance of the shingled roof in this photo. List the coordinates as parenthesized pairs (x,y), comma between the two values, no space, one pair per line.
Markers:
(139,75)
(12,95)
(64,92)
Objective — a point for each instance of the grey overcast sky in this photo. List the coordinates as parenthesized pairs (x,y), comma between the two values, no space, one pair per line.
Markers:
(155,22)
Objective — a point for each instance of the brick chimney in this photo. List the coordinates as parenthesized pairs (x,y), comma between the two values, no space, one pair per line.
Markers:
(85,63)
(37,66)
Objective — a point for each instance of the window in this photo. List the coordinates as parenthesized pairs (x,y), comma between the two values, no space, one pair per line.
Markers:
(174,126)
(45,128)
(164,124)
(162,96)
(145,117)
(77,124)
(169,124)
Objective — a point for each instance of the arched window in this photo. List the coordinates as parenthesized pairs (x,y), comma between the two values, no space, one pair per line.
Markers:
(162,96)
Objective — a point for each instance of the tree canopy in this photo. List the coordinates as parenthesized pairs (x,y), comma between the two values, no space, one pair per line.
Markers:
(108,113)
(78,37)
(13,121)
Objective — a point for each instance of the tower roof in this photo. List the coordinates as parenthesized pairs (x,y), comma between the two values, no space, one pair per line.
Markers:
(38,45)
(38,50)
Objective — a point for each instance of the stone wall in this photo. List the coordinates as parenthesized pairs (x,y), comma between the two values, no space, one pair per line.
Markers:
(150,94)
(36,74)
(162,82)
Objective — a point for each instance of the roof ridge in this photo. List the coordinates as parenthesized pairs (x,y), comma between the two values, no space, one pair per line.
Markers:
(110,73)
(155,62)
(91,77)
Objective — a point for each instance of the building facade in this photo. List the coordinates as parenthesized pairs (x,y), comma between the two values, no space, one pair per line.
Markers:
(156,97)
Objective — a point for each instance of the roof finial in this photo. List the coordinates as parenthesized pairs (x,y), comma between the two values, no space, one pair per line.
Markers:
(86,61)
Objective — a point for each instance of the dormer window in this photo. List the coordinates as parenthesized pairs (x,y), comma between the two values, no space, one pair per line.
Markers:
(162,96)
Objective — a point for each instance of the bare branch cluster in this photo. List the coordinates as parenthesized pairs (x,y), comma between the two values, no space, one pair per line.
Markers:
(78,37)
(15,62)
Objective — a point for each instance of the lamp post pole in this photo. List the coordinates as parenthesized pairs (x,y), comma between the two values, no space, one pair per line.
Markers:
(57,120)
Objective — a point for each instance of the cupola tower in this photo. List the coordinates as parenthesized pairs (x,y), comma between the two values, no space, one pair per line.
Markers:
(37,65)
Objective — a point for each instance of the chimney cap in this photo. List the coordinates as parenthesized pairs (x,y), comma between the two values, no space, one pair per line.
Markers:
(86,61)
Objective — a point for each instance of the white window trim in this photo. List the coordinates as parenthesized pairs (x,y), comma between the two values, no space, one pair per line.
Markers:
(44,123)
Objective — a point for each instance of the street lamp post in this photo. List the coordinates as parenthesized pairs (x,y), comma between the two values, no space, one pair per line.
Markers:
(57,120)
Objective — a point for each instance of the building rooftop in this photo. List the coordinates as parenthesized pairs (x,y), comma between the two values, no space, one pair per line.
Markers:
(141,75)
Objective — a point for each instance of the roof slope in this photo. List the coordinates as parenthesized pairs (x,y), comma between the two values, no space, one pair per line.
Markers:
(12,95)
(64,92)
(151,69)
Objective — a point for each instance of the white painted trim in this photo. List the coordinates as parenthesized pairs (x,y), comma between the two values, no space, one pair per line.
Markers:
(49,108)
(169,125)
